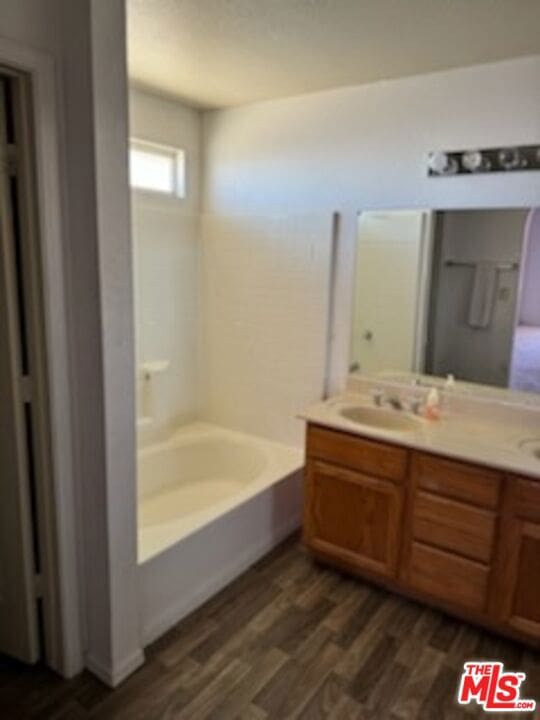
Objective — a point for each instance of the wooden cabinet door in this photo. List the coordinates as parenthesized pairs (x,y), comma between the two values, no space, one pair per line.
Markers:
(521,577)
(353,517)
(517,571)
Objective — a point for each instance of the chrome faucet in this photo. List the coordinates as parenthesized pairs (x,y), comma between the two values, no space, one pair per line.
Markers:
(382,399)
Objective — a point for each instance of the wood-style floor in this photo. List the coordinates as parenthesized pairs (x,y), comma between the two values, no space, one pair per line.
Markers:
(288,639)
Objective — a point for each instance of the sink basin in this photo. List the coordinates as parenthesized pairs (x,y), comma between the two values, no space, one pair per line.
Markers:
(531,447)
(382,419)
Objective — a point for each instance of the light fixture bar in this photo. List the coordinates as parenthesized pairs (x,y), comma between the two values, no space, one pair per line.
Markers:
(517,158)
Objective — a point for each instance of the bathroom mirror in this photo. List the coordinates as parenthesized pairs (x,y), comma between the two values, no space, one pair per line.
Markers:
(443,292)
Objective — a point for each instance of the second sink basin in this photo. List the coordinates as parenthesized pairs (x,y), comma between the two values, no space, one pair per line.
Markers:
(531,447)
(378,418)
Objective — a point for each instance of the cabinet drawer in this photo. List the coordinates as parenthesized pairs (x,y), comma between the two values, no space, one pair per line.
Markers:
(452,525)
(456,480)
(527,499)
(356,453)
(451,578)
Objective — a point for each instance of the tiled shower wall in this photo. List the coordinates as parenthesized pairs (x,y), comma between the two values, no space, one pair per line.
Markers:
(237,305)
(265,288)
(166,249)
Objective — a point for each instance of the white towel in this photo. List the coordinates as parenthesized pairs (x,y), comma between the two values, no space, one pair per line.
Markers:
(483,294)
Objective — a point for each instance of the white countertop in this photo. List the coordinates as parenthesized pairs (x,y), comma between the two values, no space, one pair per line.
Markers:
(487,438)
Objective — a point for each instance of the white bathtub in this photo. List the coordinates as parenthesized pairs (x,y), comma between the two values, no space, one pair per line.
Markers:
(211,502)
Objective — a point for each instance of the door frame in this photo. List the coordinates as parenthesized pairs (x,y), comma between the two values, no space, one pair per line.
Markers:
(59,514)
(525,249)
(425,272)
(423,289)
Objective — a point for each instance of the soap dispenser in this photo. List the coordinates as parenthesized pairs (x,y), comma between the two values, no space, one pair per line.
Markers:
(432,409)
(450,382)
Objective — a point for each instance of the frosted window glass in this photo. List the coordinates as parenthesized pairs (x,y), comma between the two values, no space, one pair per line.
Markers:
(157,170)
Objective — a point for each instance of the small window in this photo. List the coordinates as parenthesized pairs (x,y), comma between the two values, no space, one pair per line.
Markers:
(157,168)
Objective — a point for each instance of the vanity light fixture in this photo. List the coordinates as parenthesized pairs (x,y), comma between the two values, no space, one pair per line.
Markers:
(504,159)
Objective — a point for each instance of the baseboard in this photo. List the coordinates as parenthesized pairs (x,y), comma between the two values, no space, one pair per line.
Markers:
(112,677)
(241,563)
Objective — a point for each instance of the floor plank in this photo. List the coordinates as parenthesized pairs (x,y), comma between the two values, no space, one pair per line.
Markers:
(288,639)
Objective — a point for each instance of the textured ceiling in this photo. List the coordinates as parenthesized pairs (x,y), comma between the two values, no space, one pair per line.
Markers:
(216,53)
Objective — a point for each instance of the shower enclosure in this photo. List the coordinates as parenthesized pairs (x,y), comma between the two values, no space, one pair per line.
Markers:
(231,344)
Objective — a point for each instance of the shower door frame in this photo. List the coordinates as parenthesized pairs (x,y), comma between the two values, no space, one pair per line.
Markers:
(34,73)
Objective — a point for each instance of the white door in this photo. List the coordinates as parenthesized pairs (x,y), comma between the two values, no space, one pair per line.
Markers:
(18,612)
(392,284)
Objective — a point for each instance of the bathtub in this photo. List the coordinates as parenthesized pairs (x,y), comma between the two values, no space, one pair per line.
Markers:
(211,501)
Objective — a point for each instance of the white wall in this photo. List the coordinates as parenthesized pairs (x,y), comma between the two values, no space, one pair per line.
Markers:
(166,252)
(121,653)
(365,148)
(33,23)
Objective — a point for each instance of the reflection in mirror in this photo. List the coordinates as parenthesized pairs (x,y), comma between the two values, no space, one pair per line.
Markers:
(449,292)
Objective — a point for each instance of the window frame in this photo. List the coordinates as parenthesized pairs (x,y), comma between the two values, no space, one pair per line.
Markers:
(179,176)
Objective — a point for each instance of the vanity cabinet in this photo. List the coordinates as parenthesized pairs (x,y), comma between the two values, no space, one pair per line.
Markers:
(460,536)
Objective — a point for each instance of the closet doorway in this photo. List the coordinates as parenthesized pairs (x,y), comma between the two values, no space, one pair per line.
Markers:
(29,620)
(525,371)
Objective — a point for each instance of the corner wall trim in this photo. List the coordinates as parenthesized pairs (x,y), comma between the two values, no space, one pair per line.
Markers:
(112,677)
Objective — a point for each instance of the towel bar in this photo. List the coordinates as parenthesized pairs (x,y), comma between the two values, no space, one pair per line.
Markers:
(499,266)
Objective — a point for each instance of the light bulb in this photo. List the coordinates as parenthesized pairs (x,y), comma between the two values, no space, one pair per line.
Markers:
(511,159)
(440,163)
(474,161)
